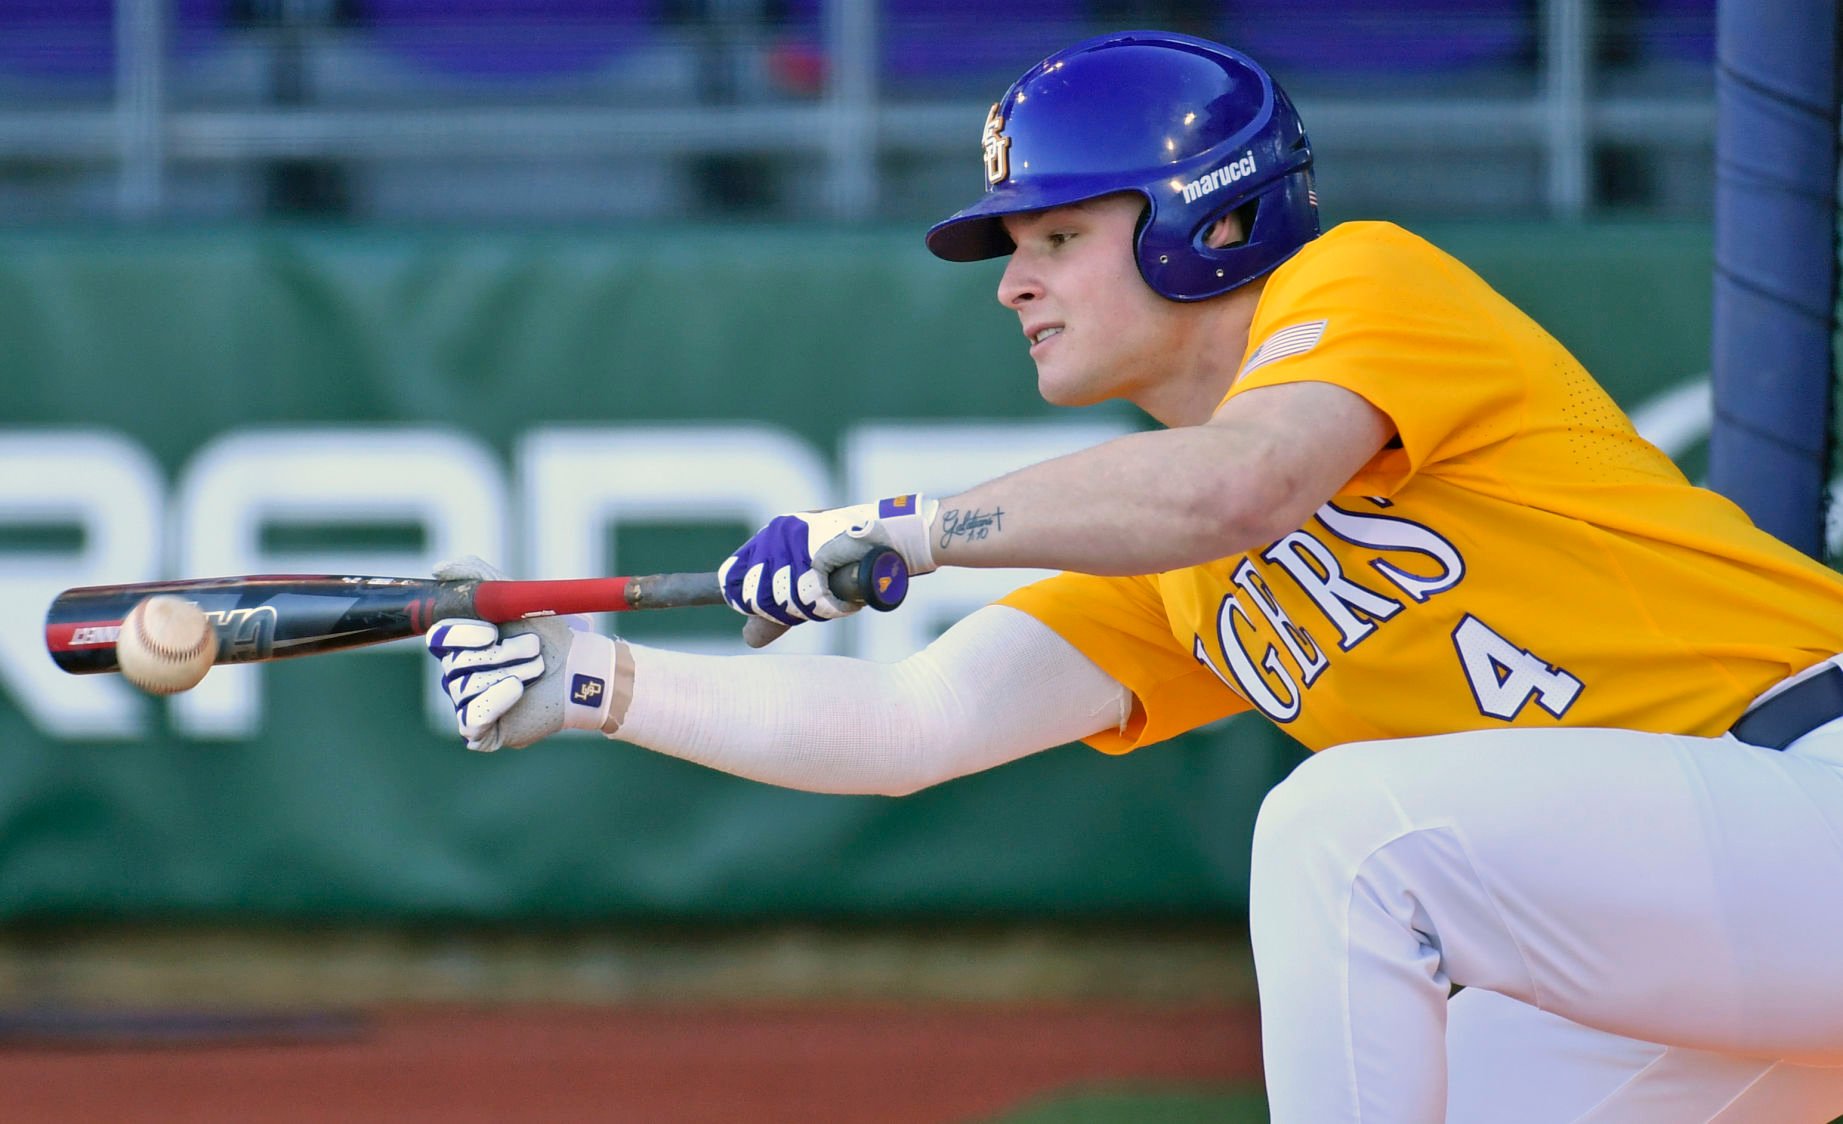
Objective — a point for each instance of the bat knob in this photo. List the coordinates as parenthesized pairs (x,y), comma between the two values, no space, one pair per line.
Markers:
(880,580)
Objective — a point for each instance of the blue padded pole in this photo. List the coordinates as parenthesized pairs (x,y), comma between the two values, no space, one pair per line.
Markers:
(1775,262)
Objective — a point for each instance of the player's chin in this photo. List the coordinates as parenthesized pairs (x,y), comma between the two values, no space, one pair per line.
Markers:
(1060,388)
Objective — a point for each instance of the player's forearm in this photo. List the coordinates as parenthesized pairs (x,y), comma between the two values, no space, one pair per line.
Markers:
(1139,504)
(997,686)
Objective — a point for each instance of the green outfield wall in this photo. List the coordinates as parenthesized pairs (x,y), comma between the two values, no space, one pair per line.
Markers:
(570,403)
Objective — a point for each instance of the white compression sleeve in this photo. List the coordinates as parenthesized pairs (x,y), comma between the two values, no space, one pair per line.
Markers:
(995,687)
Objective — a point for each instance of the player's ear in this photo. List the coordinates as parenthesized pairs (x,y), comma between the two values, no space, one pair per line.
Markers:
(1229,230)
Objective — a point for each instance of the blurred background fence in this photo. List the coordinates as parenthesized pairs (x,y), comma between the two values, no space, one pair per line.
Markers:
(210,402)
(852,110)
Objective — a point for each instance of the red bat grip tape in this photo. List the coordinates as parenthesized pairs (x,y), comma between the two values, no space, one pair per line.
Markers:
(510,601)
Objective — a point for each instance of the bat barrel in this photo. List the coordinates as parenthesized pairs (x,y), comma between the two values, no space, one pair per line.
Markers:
(264,617)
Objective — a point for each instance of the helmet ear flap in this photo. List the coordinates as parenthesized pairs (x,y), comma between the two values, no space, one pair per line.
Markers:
(1275,221)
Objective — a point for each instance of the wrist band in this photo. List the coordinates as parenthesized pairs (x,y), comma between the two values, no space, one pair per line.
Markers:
(588,681)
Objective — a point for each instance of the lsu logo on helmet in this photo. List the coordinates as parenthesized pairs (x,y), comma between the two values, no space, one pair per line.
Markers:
(996,146)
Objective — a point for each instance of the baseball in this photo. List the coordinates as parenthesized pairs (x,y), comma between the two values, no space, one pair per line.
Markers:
(166,645)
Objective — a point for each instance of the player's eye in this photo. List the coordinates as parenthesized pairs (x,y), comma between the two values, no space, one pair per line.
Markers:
(1058,237)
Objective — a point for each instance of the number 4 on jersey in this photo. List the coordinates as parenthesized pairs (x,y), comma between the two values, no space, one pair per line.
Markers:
(1505,677)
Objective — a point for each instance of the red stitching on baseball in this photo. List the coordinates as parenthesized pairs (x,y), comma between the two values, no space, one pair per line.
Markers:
(174,654)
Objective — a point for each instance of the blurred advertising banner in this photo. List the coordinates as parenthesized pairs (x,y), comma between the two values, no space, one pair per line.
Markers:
(572,404)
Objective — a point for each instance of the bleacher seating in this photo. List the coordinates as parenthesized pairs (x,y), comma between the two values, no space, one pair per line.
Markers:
(1676,31)
(937,46)
(1397,37)
(73,41)
(507,40)
(256,85)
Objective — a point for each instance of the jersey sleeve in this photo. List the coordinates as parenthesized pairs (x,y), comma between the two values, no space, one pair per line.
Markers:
(1120,624)
(1387,316)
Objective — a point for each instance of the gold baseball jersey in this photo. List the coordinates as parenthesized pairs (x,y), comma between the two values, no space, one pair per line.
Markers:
(1516,556)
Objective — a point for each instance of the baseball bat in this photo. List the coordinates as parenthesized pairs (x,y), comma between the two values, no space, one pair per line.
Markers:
(277,616)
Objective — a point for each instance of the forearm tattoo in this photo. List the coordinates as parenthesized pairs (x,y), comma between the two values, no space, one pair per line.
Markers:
(970,524)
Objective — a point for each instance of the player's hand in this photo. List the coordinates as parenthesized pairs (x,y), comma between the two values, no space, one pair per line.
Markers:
(516,684)
(779,578)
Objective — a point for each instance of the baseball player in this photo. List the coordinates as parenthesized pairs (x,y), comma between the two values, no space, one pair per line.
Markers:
(1577,721)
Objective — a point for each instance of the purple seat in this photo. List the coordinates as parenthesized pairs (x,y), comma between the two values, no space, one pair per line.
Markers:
(1380,35)
(949,39)
(936,42)
(75,39)
(509,39)
(1676,30)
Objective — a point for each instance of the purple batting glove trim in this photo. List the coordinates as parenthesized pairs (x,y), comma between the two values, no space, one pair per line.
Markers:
(896,506)
(780,544)
(438,639)
(506,664)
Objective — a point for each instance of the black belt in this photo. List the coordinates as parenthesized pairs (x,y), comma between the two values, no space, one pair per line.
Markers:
(1793,712)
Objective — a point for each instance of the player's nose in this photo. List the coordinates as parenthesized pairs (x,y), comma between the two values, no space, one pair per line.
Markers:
(1019,285)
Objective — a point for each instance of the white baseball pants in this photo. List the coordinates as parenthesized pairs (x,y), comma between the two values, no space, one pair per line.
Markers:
(1648,928)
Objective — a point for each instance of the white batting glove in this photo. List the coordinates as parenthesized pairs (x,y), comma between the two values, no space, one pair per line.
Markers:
(779,577)
(516,684)
(902,523)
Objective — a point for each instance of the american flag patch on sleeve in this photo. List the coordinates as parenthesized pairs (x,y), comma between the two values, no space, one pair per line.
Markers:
(1296,340)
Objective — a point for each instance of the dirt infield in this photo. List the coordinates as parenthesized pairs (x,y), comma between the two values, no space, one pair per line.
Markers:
(876,1064)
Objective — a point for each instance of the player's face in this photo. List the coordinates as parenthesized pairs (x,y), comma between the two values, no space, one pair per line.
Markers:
(1096,330)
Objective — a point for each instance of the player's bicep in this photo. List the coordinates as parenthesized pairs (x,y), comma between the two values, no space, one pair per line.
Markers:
(1313,438)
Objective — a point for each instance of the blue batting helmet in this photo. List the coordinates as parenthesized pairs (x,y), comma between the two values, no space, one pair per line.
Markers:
(1198,129)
